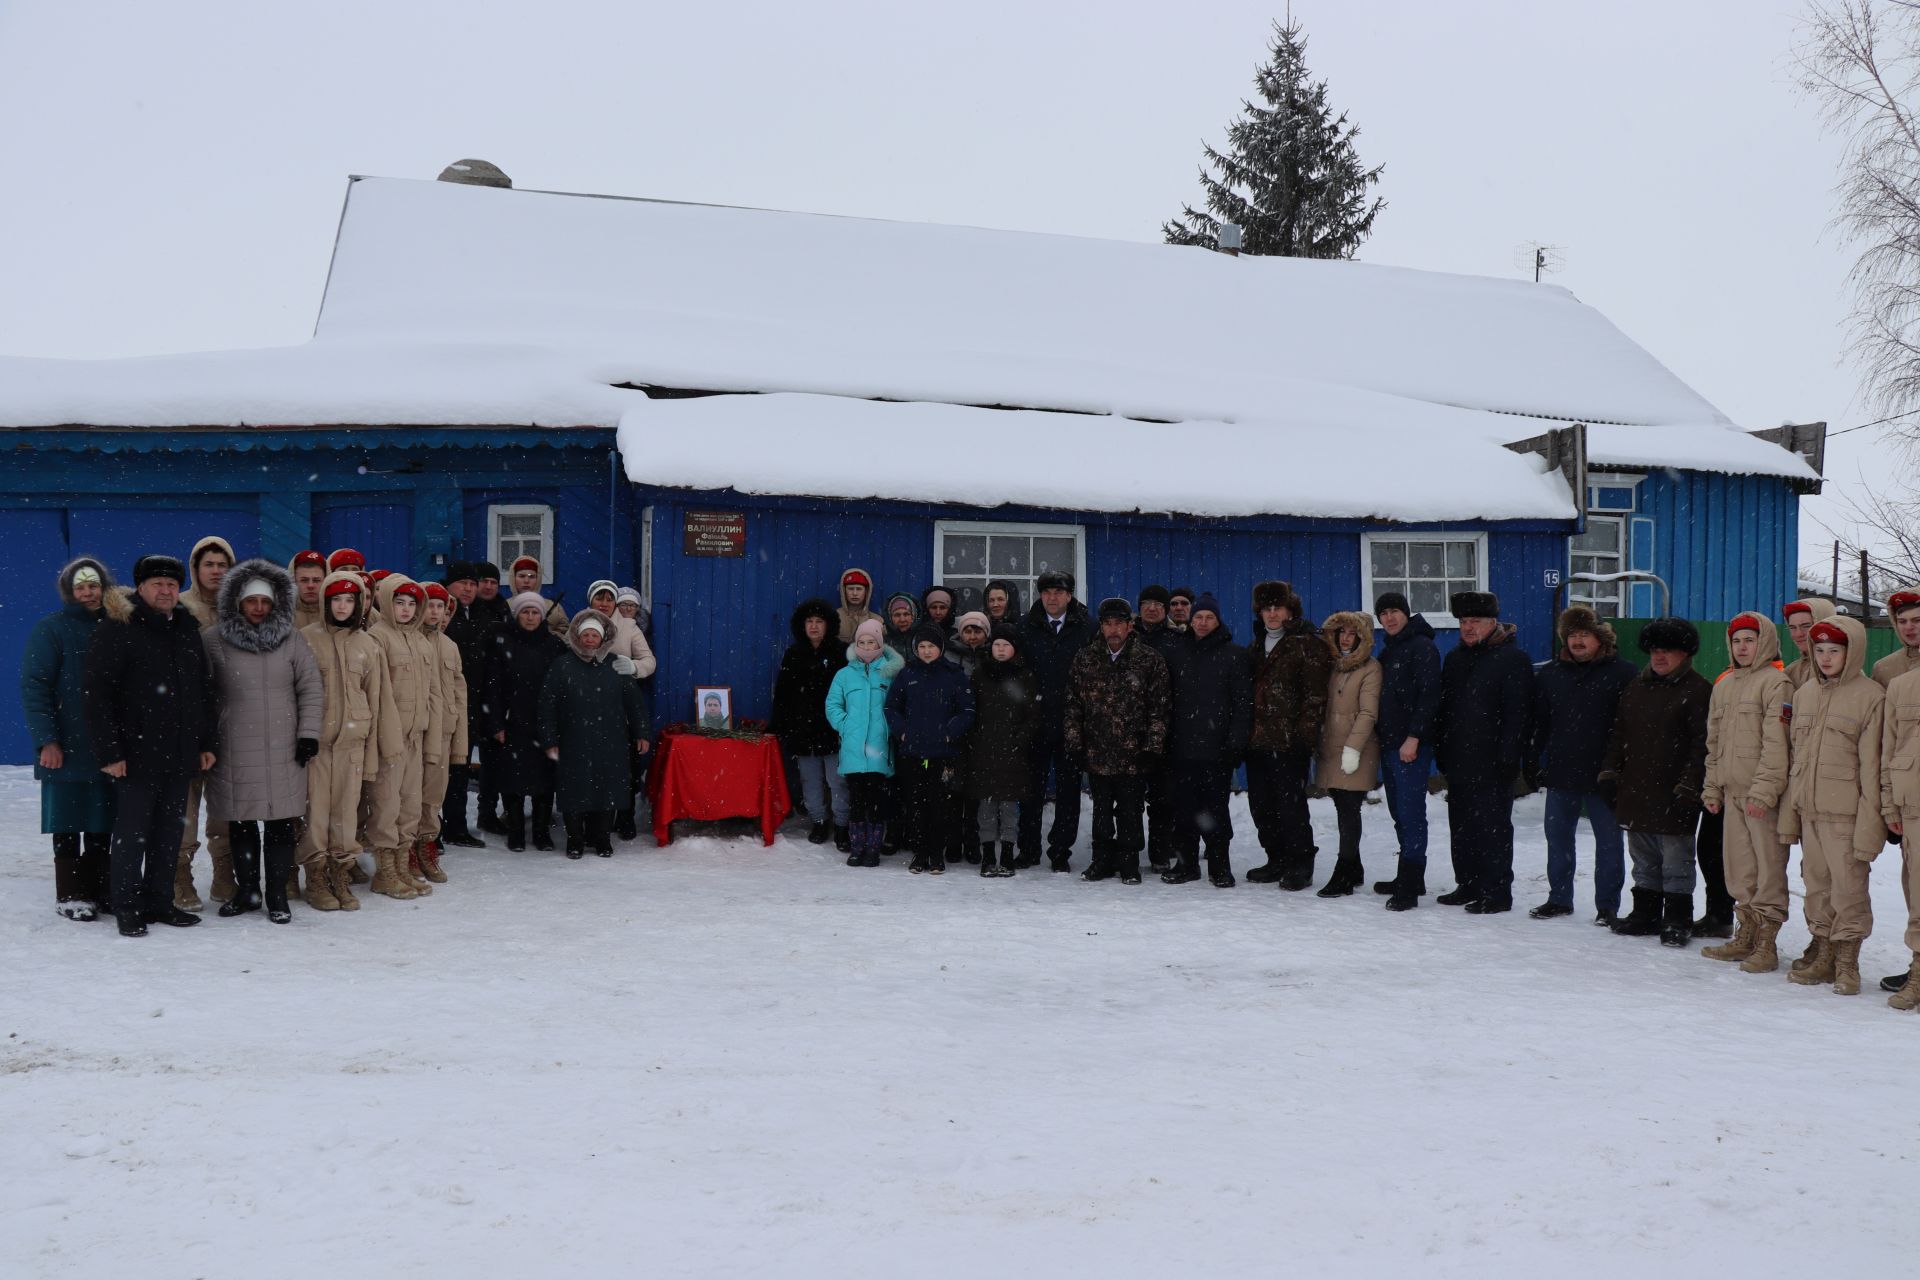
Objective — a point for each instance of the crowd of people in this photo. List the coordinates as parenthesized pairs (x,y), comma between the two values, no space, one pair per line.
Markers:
(326,710)
(320,712)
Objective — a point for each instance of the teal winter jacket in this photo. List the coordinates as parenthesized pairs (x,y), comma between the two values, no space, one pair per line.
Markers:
(857,710)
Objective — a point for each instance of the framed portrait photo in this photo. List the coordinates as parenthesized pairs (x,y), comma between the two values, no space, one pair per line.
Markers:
(713,706)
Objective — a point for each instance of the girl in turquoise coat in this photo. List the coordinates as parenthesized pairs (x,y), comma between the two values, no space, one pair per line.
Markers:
(76,799)
(857,710)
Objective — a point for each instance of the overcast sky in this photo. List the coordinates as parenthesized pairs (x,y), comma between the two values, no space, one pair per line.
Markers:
(173,173)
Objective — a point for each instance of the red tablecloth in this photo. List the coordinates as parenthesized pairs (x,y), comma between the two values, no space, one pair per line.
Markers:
(708,778)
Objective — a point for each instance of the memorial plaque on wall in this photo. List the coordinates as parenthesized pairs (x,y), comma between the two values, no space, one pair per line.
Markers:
(714,533)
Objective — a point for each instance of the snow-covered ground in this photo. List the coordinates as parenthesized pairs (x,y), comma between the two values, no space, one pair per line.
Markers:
(721,1060)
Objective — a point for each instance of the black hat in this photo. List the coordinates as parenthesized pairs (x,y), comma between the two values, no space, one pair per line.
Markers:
(1670,633)
(1116,607)
(1391,600)
(158,567)
(1206,603)
(486,569)
(1155,592)
(1181,593)
(1009,633)
(461,571)
(1054,579)
(927,633)
(1474,604)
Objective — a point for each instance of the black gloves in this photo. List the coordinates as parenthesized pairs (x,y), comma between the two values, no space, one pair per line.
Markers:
(304,750)
(1608,789)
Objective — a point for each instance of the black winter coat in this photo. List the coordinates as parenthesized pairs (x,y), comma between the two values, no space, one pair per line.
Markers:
(1163,639)
(1573,710)
(1005,718)
(1409,686)
(150,695)
(517,663)
(800,690)
(1657,754)
(594,715)
(1051,656)
(1212,698)
(930,709)
(1486,707)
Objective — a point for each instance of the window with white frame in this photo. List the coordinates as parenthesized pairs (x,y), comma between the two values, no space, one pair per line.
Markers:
(524,530)
(1601,549)
(966,556)
(1427,568)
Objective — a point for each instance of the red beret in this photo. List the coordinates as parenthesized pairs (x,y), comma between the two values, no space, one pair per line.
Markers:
(1827,633)
(437,592)
(379,575)
(528,561)
(1795,606)
(1902,600)
(346,558)
(409,589)
(854,575)
(309,560)
(343,587)
(1747,622)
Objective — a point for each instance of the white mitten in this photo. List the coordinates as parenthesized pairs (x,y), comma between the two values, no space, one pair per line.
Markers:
(623,664)
(1349,760)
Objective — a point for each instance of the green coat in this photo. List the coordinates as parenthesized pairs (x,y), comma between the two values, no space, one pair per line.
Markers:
(593,714)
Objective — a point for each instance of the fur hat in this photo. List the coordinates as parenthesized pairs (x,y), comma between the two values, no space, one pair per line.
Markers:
(1391,600)
(486,569)
(1670,633)
(1579,617)
(1155,592)
(1474,604)
(1275,592)
(462,571)
(159,567)
(1116,608)
(1054,580)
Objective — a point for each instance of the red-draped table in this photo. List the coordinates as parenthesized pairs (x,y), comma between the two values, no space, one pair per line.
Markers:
(706,778)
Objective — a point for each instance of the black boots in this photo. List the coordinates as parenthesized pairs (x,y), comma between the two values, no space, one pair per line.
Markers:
(1462,896)
(625,826)
(1009,859)
(576,835)
(514,811)
(543,823)
(1713,923)
(281,845)
(820,832)
(1185,868)
(1267,872)
(243,838)
(1347,876)
(1677,931)
(843,839)
(1645,919)
(1219,869)
(1550,910)
(1298,875)
(1407,887)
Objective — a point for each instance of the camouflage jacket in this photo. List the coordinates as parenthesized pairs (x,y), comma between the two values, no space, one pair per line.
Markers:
(1117,707)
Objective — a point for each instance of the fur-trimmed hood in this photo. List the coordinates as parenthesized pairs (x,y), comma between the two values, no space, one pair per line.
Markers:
(580,651)
(1361,624)
(232,625)
(64,583)
(814,608)
(1579,617)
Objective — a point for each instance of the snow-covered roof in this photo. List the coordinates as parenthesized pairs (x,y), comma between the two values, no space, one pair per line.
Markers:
(452,304)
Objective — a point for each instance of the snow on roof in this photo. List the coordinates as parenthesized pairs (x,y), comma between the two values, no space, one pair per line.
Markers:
(460,305)
(872,449)
(755,300)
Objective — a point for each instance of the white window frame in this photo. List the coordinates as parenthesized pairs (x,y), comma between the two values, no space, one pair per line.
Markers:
(545,512)
(1078,532)
(1445,621)
(1613,480)
(1595,594)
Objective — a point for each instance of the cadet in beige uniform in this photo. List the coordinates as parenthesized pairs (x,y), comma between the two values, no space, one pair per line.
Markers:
(393,811)
(1900,807)
(1747,761)
(1800,616)
(359,729)
(1833,802)
(1903,607)
(309,570)
(446,736)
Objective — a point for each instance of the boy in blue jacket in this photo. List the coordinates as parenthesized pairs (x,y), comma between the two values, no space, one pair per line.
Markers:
(929,710)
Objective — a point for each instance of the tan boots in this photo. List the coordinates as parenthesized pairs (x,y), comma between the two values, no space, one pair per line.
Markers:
(1846,968)
(1765,956)
(184,896)
(428,855)
(320,887)
(407,863)
(1807,957)
(387,878)
(1741,946)
(337,881)
(1908,996)
(223,886)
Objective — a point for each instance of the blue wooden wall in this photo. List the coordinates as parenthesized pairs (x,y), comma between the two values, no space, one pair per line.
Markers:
(1723,543)
(721,620)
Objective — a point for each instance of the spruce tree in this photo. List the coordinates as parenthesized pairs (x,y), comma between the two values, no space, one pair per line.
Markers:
(1290,175)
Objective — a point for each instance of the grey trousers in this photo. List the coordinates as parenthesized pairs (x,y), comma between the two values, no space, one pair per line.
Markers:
(999,820)
(1663,864)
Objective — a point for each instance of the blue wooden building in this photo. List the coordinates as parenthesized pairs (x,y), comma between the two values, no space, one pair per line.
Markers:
(597,381)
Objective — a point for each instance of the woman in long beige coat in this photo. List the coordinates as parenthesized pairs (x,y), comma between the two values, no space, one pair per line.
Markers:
(1349,765)
(271,701)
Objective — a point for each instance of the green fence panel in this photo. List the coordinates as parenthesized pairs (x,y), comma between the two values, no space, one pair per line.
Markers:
(1712,659)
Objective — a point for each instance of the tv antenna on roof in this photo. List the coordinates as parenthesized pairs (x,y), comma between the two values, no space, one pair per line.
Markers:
(1541,259)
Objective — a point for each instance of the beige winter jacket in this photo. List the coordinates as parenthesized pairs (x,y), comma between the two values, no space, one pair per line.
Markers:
(850,617)
(411,662)
(1801,669)
(1353,705)
(359,707)
(1835,775)
(447,731)
(1747,753)
(629,641)
(1895,665)
(1900,750)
